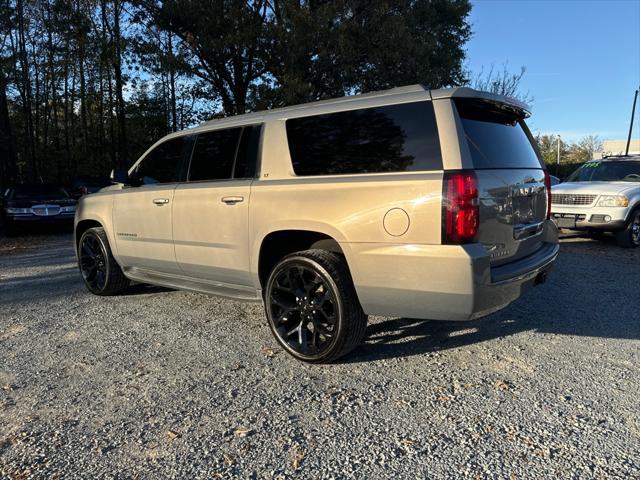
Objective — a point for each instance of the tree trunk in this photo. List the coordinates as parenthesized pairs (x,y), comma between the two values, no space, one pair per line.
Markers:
(83,96)
(172,85)
(117,68)
(8,170)
(29,144)
(105,43)
(65,103)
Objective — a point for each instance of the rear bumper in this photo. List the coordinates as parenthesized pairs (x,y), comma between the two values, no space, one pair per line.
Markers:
(441,282)
(507,283)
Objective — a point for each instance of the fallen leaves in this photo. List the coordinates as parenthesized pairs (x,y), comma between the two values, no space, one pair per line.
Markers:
(242,432)
(408,442)
(297,455)
(172,435)
(228,459)
(268,351)
(502,385)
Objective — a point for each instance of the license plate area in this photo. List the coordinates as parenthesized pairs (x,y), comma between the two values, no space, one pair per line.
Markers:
(567,220)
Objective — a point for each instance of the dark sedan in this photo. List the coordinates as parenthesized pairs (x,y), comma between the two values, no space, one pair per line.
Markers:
(84,185)
(36,204)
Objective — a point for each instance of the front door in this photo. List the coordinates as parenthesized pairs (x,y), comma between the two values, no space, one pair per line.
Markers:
(142,221)
(142,213)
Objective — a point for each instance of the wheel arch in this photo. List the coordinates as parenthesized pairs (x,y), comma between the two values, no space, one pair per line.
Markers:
(82,226)
(278,243)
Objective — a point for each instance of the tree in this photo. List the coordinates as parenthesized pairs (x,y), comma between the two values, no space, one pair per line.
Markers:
(262,54)
(502,82)
(87,85)
(8,171)
(227,42)
(330,49)
(548,146)
(585,149)
(570,152)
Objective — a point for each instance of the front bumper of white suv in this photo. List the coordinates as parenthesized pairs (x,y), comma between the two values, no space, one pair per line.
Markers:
(588,217)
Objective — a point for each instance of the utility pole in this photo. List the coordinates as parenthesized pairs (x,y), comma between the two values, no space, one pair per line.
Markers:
(633,111)
(558,162)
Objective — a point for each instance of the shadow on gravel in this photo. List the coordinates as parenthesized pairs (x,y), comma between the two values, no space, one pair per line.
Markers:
(401,337)
(143,289)
(40,229)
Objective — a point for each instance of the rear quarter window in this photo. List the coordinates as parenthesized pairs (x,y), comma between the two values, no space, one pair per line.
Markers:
(395,138)
(497,138)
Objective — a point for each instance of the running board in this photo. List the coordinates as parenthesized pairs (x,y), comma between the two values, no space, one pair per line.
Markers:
(179,282)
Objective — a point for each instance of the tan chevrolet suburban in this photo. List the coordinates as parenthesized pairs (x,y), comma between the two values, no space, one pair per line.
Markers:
(410,202)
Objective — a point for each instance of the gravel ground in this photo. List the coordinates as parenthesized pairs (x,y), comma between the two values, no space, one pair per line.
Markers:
(159,383)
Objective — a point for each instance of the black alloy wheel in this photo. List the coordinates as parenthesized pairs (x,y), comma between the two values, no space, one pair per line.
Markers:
(93,263)
(100,272)
(312,306)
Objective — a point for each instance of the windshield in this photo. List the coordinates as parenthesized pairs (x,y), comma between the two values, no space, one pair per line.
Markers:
(607,172)
(39,192)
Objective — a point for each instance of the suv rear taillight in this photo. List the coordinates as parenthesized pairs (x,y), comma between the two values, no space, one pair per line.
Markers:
(547,184)
(460,210)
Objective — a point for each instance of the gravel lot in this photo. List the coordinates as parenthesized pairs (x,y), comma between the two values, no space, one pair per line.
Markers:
(159,383)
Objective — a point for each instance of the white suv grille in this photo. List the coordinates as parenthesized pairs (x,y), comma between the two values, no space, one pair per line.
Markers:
(571,199)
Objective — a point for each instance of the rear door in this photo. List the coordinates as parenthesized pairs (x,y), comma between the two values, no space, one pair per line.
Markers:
(211,209)
(511,179)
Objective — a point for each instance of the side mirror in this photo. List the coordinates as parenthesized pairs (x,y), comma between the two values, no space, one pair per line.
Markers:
(119,176)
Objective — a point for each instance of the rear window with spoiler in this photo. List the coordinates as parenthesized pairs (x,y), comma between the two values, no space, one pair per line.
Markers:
(497,135)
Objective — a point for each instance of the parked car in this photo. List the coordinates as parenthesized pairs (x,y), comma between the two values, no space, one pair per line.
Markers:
(85,185)
(602,196)
(408,202)
(36,204)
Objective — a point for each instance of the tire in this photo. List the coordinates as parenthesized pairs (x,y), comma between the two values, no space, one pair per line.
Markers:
(100,272)
(629,237)
(10,229)
(312,307)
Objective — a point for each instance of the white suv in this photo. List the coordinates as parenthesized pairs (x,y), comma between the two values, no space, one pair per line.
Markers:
(602,196)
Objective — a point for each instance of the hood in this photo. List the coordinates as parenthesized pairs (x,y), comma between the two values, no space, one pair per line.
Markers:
(110,188)
(595,188)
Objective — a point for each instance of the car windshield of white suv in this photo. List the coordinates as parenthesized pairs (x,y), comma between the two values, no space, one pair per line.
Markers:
(624,171)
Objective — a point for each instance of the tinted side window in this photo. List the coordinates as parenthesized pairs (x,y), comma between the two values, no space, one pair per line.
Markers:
(395,138)
(213,155)
(497,138)
(164,163)
(248,151)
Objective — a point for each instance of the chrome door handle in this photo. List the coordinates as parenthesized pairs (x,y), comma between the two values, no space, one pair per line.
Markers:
(160,201)
(232,200)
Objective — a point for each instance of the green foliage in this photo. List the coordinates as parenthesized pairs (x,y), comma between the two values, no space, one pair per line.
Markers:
(262,54)
(572,155)
(86,86)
